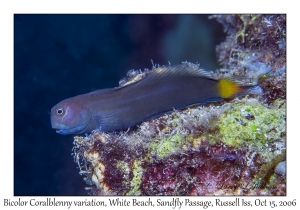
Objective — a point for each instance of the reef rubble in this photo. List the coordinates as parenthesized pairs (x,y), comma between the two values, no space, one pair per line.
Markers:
(230,147)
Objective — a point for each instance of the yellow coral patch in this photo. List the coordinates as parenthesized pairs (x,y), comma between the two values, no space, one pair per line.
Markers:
(228,88)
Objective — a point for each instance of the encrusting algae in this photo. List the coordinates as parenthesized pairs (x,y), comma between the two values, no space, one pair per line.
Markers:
(227,147)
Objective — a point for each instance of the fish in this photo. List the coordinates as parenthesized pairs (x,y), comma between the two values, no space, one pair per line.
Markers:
(162,90)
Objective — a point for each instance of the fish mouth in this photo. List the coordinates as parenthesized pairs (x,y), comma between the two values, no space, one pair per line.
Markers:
(75,130)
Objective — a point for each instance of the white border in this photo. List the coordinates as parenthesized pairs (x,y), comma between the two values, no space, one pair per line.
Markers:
(8,8)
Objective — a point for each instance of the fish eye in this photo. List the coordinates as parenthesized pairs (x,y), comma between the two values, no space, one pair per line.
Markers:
(59,111)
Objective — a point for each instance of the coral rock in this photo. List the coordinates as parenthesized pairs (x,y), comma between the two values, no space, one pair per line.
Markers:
(232,147)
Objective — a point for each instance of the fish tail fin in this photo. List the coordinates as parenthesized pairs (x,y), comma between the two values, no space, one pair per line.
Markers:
(229,88)
(255,90)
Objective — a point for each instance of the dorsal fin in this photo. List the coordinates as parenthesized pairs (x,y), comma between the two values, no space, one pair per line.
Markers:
(163,73)
(170,72)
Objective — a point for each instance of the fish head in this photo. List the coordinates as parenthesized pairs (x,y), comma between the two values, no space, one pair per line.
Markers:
(68,117)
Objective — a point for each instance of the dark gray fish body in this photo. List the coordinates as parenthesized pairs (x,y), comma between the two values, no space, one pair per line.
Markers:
(164,89)
(128,106)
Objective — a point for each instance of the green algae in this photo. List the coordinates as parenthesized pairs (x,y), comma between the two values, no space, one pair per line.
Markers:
(254,18)
(265,175)
(123,166)
(255,125)
(167,146)
(247,20)
(176,121)
(137,179)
